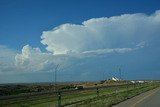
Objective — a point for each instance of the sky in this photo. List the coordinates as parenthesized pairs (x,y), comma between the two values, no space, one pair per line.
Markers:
(88,40)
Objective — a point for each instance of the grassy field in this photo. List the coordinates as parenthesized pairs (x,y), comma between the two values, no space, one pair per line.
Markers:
(117,97)
(107,96)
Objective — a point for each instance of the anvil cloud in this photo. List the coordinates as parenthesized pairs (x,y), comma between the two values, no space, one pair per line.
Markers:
(108,37)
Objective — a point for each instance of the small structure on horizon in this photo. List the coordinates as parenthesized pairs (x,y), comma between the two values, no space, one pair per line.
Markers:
(137,81)
(115,79)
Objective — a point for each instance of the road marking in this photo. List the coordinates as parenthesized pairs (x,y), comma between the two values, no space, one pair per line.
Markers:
(144,98)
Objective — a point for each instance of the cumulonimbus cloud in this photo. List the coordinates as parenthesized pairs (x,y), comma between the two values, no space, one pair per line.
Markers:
(94,37)
(102,33)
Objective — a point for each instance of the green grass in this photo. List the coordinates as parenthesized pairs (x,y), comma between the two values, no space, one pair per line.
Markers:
(117,94)
(117,97)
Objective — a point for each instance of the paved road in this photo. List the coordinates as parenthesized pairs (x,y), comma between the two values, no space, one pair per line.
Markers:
(147,99)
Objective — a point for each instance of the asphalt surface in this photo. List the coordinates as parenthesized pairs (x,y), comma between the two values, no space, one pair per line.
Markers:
(147,99)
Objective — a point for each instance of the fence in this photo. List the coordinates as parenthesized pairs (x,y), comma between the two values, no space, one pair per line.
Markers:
(79,96)
(62,98)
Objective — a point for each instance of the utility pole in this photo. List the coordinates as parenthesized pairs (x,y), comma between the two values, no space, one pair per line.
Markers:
(120,72)
(55,70)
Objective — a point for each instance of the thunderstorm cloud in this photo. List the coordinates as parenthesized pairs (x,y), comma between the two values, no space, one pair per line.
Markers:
(130,38)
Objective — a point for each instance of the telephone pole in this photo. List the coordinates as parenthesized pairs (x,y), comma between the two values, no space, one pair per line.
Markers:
(55,70)
(120,72)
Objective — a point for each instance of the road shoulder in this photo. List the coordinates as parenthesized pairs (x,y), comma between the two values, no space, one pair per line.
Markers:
(137,99)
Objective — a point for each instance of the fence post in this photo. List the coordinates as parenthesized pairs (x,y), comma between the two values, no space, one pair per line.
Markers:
(127,90)
(97,92)
(59,99)
(134,85)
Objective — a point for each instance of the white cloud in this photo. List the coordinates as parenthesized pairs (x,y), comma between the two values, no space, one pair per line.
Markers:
(102,33)
(6,59)
(32,59)
(70,44)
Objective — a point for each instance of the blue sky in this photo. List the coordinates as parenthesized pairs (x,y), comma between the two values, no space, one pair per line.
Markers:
(59,32)
(22,20)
